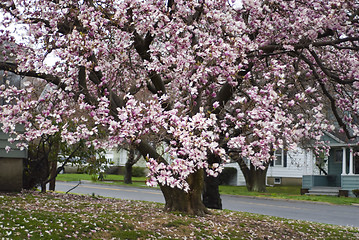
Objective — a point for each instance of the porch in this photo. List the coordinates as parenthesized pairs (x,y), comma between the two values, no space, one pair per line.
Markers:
(342,172)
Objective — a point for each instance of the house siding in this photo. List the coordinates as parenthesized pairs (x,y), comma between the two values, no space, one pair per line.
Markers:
(350,183)
(238,180)
(298,161)
(307,181)
(291,174)
(11,174)
(14,152)
(11,163)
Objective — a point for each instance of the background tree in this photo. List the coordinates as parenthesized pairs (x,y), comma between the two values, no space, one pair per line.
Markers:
(210,79)
(132,159)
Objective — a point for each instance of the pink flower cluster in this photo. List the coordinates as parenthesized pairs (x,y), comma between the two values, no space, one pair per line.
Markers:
(199,77)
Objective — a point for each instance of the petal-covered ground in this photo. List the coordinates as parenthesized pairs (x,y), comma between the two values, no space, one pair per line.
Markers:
(32,215)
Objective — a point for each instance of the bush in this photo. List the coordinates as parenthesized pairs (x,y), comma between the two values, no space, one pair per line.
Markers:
(116,170)
(356,192)
(138,172)
(35,171)
(227,175)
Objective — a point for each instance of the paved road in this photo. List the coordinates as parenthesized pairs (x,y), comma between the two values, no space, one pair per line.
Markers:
(315,212)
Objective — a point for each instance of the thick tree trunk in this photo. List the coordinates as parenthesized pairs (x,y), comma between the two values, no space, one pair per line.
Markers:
(211,196)
(177,199)
(256,181)
(191,202)
(255,177)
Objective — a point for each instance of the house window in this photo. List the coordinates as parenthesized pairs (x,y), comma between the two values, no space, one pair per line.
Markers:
(280,158)
(278,180)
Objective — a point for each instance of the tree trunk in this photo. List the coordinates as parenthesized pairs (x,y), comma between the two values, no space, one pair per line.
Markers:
(255,177)
(54,149)
(211,196)
(256,181)
(128,166)
(191,202)
(45,173)
(177,199)
(53,174)
(128,173)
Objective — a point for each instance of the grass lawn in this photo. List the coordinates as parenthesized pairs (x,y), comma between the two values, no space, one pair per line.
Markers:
(108,179)
(32,215)
(287,192)
(281,192)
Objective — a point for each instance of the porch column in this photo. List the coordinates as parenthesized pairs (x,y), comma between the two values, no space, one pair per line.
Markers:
(312,160)
(305,162)
(344,162)
(351,162)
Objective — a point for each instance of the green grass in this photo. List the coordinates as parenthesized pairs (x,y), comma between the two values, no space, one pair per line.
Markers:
(108,179)
(278,192)
(271,191)
(286,192)
(32,215)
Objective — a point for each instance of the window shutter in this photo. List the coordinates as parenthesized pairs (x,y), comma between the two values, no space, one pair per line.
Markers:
(285,158)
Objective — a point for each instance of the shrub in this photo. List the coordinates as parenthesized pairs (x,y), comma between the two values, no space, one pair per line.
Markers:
(138,172)
(356,192)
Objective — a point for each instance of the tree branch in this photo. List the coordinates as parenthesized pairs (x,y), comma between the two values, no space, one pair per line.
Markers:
(328,73)
(226,92)
(328,95)
(12,67)
(147,150)
(83,87)
(270,48)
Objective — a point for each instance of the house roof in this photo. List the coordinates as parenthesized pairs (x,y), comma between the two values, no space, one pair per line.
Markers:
(339,139)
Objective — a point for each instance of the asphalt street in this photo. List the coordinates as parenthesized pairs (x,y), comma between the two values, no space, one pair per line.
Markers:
(315,212)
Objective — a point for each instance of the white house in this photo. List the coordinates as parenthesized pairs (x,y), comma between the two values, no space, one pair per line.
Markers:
(287,169)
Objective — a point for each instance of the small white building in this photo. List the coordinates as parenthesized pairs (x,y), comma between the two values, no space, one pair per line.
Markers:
(119,158)
(287,169)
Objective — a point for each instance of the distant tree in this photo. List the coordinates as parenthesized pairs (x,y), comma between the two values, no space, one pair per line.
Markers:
(213,80)
(132,159)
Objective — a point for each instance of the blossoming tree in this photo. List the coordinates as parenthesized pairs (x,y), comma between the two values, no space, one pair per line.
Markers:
(212,79)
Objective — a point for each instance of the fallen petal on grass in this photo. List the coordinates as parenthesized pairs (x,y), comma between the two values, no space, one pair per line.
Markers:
(32,215)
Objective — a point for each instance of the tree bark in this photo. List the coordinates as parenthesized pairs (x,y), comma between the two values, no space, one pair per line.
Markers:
(176,199)
(45,173)
(256,181)
(128,167)
(53,174)
(211,196)
(128,173)
(255,177)
(191,202)
(129,164)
